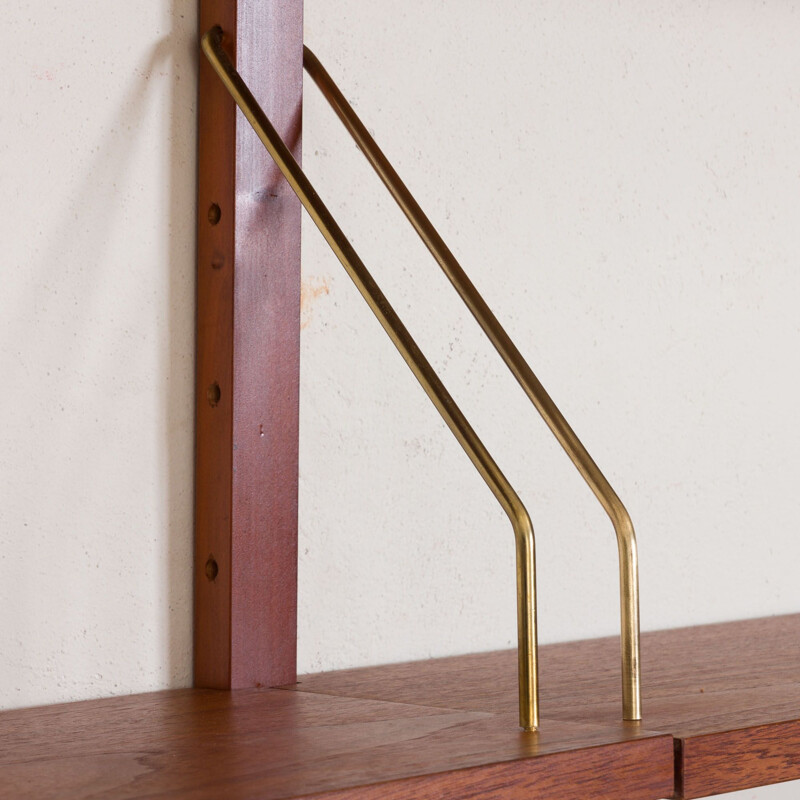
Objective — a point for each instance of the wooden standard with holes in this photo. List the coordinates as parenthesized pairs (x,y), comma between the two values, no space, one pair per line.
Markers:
(248,305)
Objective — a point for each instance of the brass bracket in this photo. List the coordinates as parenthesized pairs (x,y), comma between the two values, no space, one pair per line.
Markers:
(438,394)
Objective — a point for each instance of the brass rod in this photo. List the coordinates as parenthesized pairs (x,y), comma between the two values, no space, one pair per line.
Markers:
(623,526)
(430,382)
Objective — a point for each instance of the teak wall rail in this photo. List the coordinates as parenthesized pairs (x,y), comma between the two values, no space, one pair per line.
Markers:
(248,340)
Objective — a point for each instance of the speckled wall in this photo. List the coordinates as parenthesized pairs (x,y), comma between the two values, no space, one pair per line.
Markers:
(97,166)
(621,180)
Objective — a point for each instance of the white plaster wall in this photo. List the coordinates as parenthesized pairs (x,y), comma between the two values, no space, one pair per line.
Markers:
(96,344)
(620,180)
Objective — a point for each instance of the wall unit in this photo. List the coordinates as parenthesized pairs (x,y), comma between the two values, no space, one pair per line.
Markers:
(720,702)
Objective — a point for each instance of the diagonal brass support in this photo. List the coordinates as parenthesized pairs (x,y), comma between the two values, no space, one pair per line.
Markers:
(626,538)
(452,415)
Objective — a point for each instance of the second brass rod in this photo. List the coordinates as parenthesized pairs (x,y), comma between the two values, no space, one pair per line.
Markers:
(623,526)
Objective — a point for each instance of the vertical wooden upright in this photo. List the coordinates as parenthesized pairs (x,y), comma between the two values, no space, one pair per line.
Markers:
(248,331)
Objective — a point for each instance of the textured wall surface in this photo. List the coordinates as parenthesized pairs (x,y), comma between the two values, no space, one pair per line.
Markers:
(621,180)
(96,345)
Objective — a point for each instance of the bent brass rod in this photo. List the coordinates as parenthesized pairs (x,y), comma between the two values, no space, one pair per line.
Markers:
(623,526)
(429,380)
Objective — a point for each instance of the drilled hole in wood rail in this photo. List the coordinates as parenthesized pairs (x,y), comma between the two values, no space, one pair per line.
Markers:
(213,394)
(212,568)
(214,213)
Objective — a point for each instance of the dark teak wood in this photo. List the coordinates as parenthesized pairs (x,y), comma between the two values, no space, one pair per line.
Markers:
(248,331)
(729,694)
(721,712)
(271,744)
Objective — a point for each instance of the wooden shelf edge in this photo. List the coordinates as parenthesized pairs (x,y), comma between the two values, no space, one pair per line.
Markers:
(713,723)
(272,745)
(728,693)
(745,758)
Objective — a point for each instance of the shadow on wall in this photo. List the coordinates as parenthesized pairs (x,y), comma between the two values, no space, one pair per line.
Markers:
(104,502)
(179,361)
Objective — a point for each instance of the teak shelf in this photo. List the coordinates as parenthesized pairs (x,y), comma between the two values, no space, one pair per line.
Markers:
(721,713)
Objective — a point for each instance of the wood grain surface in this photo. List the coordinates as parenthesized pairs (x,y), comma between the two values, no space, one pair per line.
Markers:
(715,688)
(216,147)
(248,340)
(751,655)
(722,712)
(765,754)
(272,744)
